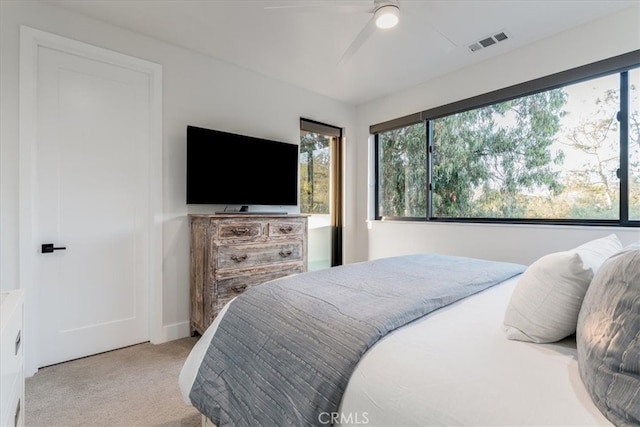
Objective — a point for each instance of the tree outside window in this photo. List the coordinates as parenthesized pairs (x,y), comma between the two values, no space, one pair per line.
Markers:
(402,178)
(314,173)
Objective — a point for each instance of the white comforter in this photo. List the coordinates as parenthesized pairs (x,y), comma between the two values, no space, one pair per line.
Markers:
(455,367)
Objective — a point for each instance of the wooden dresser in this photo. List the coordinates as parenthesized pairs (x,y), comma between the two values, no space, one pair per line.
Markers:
(231,252)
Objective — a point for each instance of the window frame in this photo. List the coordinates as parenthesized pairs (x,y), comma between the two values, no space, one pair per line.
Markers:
(620,64)
(335,182)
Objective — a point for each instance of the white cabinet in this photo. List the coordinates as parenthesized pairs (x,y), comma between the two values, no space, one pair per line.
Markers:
(11,359)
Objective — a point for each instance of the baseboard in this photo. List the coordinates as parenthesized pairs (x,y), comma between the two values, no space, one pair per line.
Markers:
(173,332)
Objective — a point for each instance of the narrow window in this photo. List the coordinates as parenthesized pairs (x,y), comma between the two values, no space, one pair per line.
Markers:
(321,191)
(402,172)
(634,145)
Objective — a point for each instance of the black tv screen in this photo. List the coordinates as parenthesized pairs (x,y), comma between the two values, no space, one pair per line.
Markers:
(228,169)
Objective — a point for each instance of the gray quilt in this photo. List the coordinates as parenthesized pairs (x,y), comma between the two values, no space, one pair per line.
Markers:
(284,351)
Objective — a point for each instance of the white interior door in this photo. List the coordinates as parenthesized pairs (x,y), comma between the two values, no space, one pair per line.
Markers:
(91,196)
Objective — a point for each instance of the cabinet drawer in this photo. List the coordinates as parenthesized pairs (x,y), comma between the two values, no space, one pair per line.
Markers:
(242,256)
(232,286)
(13,414)
(11,359)
(239,231)
(285,229)
(11,376)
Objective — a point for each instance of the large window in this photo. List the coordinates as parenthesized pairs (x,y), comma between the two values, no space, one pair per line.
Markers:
(549,155)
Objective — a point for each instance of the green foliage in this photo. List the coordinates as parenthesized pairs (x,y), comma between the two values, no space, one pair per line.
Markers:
(403,172)
(314,173)
(484,159)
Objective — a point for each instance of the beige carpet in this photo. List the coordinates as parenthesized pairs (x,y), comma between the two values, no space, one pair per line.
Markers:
(134,386)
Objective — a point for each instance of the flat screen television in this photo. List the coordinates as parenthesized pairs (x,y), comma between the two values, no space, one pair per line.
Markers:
(228,169)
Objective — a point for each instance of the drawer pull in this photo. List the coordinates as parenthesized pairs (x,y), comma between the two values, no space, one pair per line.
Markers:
(18,341)
(239,231)
(286,230)
(238,288)
(286,254)
(239,258)
(16,416)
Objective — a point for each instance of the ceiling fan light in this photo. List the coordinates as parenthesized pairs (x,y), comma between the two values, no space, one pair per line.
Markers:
(387,16)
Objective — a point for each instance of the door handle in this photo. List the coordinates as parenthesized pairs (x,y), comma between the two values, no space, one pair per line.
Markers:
(48,248)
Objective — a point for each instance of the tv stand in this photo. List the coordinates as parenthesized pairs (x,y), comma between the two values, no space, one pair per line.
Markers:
(251,213)
(244,210)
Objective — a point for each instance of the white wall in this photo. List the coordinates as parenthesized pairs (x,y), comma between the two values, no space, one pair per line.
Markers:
(513,243)
(598,40)
(197,90)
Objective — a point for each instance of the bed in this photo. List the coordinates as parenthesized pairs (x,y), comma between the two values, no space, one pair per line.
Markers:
(455,366)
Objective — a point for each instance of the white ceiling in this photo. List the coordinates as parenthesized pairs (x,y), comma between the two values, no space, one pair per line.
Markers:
(302,42)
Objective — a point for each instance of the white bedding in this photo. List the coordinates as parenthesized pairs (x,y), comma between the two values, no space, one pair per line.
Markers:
(455,367)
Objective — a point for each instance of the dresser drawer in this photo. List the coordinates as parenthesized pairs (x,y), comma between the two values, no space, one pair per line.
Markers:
(11,379)
(231,286)
(14,414)
(279,228)
(11,359)
(243,256)
(239,231)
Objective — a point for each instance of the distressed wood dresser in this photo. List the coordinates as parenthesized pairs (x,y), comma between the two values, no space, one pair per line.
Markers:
(230,253)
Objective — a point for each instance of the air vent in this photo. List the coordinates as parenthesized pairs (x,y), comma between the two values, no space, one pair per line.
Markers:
(488,41)
(500,37)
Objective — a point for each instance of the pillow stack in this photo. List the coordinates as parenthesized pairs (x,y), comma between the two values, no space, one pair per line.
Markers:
(546,302)
(578,292)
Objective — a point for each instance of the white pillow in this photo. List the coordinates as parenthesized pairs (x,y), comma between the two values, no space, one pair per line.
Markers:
(546,301)
(596,252)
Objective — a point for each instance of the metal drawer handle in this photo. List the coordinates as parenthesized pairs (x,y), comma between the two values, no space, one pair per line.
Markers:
(238,288)
(238,231)
(16,416)
(285,254)
(18,341)
(286,230)
(239,258)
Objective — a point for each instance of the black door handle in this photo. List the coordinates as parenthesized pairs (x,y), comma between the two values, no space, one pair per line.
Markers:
(47,248)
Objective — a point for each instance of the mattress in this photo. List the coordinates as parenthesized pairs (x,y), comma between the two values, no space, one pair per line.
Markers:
(455,367)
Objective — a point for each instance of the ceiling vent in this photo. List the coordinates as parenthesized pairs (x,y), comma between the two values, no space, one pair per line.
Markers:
(488,41)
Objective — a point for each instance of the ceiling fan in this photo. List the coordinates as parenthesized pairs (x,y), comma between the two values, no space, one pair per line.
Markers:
(385,14)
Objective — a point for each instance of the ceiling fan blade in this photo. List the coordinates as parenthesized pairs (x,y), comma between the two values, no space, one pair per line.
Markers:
(335,6)
(360,39)
(294,6)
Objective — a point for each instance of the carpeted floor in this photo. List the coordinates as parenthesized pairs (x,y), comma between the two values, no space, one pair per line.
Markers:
(134,386)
